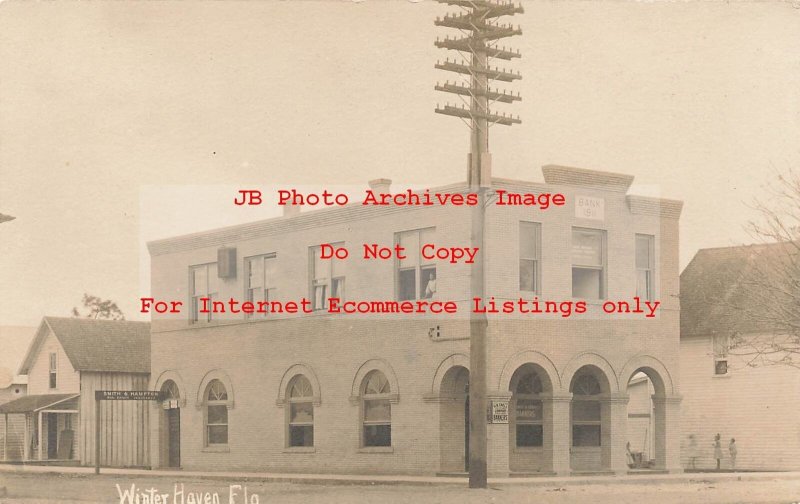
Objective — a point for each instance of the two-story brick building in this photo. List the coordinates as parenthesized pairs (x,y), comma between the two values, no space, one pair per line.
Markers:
(387,393)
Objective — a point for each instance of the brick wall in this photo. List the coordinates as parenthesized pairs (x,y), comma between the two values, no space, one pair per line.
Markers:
(254,355)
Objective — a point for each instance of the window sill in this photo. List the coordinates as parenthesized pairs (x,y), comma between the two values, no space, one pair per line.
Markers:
(216,449)
(528,449)
(718,376)
(376,449)
(300,449)
(585,449)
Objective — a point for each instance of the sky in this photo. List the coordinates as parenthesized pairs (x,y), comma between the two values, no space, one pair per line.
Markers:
(122,122)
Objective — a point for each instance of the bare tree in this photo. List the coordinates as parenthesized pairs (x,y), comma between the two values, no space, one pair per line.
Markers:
(765,303)
(96,308)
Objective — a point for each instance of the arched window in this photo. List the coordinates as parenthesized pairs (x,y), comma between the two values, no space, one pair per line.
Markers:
(586,411)
(528,409)
(301,412)
(170,391)
(216,414)
(376,410)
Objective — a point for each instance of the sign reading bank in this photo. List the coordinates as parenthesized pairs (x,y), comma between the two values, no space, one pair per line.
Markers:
(588,207)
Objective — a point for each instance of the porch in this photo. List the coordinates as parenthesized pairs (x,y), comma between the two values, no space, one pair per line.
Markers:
(50,422)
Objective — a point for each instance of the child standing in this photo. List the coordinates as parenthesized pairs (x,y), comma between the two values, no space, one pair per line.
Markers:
(718,450)
(692,452)
(733,451)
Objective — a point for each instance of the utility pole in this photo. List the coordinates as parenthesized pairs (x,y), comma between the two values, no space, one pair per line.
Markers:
(480,31)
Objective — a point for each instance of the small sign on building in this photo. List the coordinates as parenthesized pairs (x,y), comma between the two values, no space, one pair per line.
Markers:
(589,207)
(128,395)
(499,412)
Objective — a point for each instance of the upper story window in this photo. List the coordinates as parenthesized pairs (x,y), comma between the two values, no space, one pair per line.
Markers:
(203,279)
(645,266)
(216,417)
(415,275)
(376,410)
(721,344)
(530,250)
(588,263)
(260,273)
(327,277)
(53,370)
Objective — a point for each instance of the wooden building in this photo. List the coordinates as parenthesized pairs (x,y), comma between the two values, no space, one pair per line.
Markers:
(67,361)
(735,392)
(12,428)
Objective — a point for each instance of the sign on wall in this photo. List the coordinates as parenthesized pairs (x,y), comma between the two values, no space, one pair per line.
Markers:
(128,395)
(588,207)
(499,412)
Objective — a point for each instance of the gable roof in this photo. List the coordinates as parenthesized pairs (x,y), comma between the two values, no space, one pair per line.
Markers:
(96,345)
(724,290)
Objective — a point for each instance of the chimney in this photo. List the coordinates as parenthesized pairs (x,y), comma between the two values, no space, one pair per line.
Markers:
(290,210)
(381,185)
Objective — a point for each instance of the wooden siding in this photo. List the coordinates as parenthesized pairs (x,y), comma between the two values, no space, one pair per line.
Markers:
(67,379)
(756,405)
(124,432)
(16,436)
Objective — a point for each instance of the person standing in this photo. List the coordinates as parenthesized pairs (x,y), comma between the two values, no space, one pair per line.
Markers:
(718,450)
(733,451)
(692,452)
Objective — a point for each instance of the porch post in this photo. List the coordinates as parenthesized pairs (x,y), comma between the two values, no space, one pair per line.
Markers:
(41,440)
(26,447)
(5,437)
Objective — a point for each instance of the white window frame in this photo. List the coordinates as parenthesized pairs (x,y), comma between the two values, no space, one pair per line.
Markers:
(267,287)
(419,268)
(366,398)
(650,270)
(211,402)
(603,268)
(325,279)
(536,227)
(586,398)
(52,376)
(720,353)
(194,299)
(292,400)
(536,397)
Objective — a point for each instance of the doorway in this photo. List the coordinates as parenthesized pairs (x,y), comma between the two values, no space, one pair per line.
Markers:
(454,421)
(174,437)
(170,451)
(52,436)
(466,429)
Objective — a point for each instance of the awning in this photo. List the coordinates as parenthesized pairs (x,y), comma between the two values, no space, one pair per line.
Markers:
(35,403)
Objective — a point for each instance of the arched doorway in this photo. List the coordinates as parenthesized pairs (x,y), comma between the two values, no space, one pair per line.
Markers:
(454,420)
(530,429)
(646,429)
(590,427)
(170,425)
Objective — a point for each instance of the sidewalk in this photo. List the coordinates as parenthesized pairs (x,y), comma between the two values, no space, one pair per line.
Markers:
(352,479)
